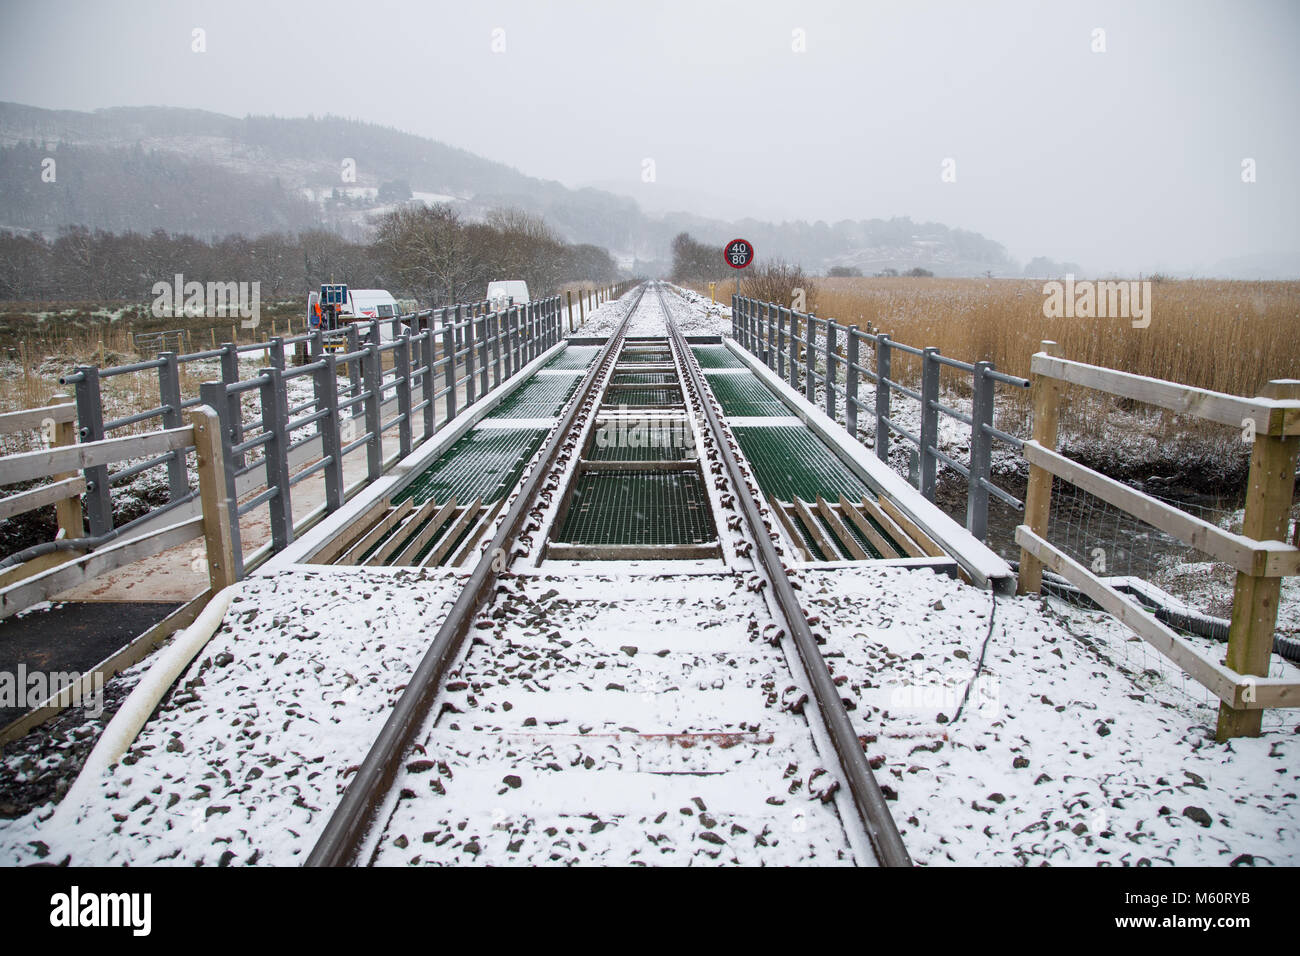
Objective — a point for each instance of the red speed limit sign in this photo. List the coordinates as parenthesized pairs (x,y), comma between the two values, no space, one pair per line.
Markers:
(738,253)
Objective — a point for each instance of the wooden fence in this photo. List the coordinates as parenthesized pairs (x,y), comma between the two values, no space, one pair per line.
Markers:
(1260,554)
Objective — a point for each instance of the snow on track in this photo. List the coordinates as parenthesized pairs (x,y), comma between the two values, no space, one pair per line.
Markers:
(619,721)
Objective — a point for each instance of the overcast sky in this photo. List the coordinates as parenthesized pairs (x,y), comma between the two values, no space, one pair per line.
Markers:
(1127,159)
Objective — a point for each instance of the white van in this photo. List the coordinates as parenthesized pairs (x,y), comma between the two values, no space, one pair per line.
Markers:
(500,293)
(366,304)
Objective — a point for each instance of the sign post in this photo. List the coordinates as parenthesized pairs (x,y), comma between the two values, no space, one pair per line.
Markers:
(739,253)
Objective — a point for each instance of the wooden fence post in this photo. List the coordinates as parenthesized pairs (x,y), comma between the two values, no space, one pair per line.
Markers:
(1255,598)
(1046,394)
(67,510)
(212,493)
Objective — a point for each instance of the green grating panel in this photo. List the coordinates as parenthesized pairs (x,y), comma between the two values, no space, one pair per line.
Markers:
(668,442)
(486,463)
(716,356)
(792,461)
(542,396)
(655,357)
(644,378)
(638,508)
(575,356)
(745,395)
(643,397)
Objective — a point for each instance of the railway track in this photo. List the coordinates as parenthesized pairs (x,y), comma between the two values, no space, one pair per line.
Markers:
(616,717)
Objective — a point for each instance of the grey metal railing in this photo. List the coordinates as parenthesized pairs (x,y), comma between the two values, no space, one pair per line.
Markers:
(431,356)
(825,361)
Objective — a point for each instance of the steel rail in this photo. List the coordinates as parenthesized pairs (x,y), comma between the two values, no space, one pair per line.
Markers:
(349,826)
(865,791)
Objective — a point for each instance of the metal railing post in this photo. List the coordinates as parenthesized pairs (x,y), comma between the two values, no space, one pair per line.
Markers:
(794,348)
(371,373)
(495,319)
(810,358)
(276,350)
(780,343)
(883,362)
(233,416)
(354,366)
(449,356)
(402,366)
(169,394)
(275,422)
(215,395)
(427,380)
(90,427)
(468,319)
(851,382)
(830,367)
(929,421)
(483,362)
(981,452)
(325,384)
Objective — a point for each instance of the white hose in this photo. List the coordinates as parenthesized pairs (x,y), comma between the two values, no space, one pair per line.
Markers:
(126,723)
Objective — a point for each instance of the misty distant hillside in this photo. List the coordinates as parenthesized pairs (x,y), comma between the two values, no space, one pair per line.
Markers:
(147,168)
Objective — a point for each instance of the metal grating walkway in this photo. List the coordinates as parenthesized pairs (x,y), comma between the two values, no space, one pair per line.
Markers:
(716,356)
(644,378)
(575,357)
(486,463)
(649,397)
(638,508)
(540,397)
(792,462)
(745,395)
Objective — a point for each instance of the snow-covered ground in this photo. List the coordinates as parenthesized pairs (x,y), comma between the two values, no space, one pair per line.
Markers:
(1079,744)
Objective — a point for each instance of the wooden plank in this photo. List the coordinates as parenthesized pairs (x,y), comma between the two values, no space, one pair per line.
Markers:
(1271,417)
(218,533)
(43,463)
(844,535)
(372,537)
(467,546)
(427,534)
(36,566)
(887,507)
(348,536)
(900,537)
(557,551)
(886,548)
(819,535)
(401,533)
(34,498)
(1241,552)
(1253,693)
(32,419)
(791,531)
(434,557)
(115,663)
(41,587)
